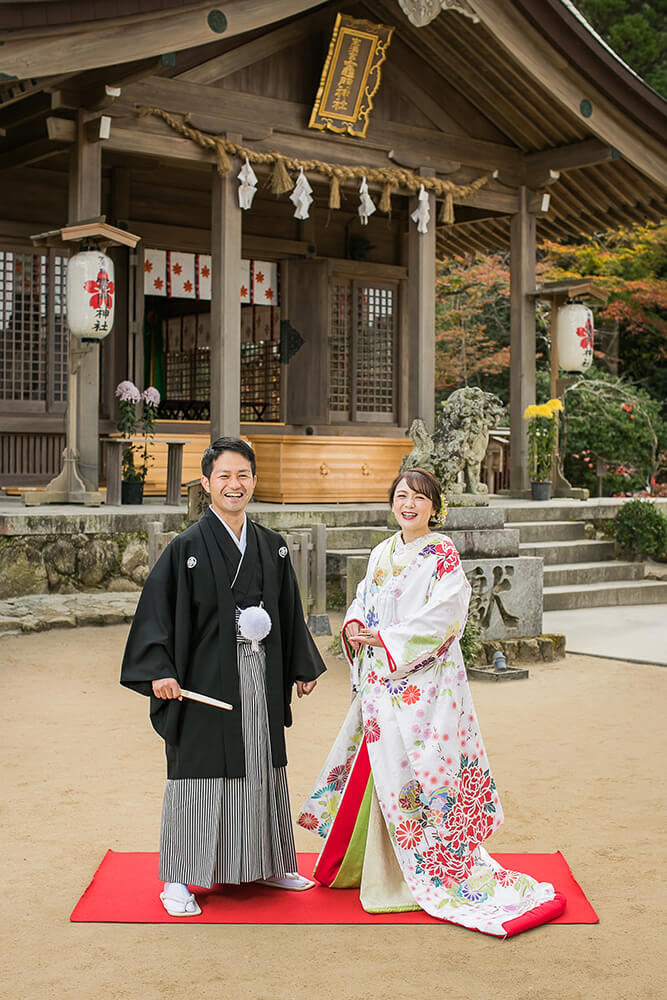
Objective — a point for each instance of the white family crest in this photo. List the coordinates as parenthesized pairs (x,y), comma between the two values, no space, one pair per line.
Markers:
(192,562)
(282,551)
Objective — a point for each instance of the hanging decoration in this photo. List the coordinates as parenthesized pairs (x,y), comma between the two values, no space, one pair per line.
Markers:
(574,330)
(422,213)
(366,206)
(90,295)
(302,196)
(248,186)
(176,275)
(388,179)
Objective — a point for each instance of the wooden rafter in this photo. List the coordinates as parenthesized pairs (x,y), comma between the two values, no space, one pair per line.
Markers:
(269,44)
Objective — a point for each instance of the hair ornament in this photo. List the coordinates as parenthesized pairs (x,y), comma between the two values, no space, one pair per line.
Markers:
(442,513)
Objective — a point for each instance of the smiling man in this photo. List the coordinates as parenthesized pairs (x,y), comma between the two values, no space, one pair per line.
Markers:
(220,615)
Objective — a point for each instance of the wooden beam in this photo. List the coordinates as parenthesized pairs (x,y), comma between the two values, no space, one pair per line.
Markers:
(23,111)
(85,202)
(99,89)
(287,116)
(421,318)
(426,67)
(577,154)
(522,337)
(29,152)
(61,129)
(567,87)
(225,306)
(98,129)
(61,49)
(254,51)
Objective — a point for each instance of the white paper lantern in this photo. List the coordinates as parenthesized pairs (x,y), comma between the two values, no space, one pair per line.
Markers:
(574,330)
(91,294)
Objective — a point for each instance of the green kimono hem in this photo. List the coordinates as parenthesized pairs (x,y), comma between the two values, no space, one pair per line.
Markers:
(349,873)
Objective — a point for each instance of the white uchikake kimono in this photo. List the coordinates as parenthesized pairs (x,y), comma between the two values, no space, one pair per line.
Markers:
(429,774)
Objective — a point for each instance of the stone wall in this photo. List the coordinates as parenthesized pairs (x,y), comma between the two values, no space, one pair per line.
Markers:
(66,564)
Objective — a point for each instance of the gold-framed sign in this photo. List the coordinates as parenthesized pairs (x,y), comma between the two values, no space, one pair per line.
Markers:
(351,76)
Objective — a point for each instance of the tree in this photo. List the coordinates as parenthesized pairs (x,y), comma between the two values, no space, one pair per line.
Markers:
(472,324)
(631,266)
(635,30)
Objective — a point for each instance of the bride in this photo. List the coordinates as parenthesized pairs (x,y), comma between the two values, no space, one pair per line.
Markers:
(406,796)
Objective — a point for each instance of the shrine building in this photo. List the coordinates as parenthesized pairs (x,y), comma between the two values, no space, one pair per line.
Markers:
(371,138)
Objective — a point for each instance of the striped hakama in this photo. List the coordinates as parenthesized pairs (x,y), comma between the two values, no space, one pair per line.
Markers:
(232,830)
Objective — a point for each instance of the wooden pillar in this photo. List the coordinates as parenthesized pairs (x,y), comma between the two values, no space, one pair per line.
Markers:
(225,306)
(522,337)
(85,201)
(421,319)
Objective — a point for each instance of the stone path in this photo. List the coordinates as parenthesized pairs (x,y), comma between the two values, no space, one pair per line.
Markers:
(39,612)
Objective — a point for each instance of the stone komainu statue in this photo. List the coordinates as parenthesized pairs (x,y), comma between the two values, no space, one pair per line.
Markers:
(459,441)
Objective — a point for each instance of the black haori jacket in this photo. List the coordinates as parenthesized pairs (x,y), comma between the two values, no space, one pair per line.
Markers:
(184,627)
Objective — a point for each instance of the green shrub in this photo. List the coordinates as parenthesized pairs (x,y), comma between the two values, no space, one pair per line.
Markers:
(470,642)
(642,528)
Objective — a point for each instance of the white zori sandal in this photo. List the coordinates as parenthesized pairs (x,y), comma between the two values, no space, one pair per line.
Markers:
(290,880)
(178,901)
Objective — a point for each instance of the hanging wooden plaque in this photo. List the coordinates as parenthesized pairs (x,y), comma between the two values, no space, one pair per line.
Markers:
(351,76)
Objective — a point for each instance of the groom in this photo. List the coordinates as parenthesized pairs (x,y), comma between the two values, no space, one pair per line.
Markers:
(226,815)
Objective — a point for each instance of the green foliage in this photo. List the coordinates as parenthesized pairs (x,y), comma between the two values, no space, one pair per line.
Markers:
(471,644)
(608,417)
(642,528)
(635,30)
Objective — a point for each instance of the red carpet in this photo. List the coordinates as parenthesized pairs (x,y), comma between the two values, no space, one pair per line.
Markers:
(125,890)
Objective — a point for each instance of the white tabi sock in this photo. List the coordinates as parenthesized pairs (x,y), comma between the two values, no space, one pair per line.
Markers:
(177,890)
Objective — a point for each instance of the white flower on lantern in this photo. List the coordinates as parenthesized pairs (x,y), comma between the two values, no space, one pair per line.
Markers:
(248,185)
(301,196)
(366,206)
(422,213)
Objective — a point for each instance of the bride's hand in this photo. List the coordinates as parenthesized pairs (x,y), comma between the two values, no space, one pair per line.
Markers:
(368,637)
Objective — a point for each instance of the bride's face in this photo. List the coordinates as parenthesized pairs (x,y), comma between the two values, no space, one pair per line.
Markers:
(412,510)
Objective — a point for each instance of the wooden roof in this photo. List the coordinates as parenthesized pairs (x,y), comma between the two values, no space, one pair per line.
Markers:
(526,90)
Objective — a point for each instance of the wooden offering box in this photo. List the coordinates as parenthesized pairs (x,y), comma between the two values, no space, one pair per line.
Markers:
(326,469)
(302,468)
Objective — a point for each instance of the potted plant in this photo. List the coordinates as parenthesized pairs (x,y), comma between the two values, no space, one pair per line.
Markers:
(542,444)
(136,458)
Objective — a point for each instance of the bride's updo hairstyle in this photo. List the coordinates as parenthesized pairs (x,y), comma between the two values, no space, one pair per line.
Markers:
(421,481)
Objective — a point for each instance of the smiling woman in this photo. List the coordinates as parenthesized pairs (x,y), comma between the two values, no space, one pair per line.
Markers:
(414,798)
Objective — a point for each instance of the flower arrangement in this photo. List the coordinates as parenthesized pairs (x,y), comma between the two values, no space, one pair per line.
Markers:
(542,438)
(136,459)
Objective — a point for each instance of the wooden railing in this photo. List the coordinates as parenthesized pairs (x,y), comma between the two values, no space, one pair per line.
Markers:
(30,459)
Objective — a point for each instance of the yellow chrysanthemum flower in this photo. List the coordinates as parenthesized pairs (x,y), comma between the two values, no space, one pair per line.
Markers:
(555,405)
(544,411)
(530,412)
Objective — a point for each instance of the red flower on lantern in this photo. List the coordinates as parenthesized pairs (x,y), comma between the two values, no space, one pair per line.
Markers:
(205,271)
(101,290)
(585,335)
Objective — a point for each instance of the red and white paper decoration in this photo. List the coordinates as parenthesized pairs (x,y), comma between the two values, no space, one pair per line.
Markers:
(181,275)
(188,276)
(155,272)
(264,283)
(203,273)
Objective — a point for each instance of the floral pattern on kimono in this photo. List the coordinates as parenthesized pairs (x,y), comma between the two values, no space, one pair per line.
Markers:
(414,710)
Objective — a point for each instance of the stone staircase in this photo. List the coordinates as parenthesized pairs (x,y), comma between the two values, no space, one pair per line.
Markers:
(580,571)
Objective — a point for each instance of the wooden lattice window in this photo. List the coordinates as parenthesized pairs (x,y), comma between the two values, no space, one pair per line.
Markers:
(260,382)
(362,350)
(33,331)
(340,325)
